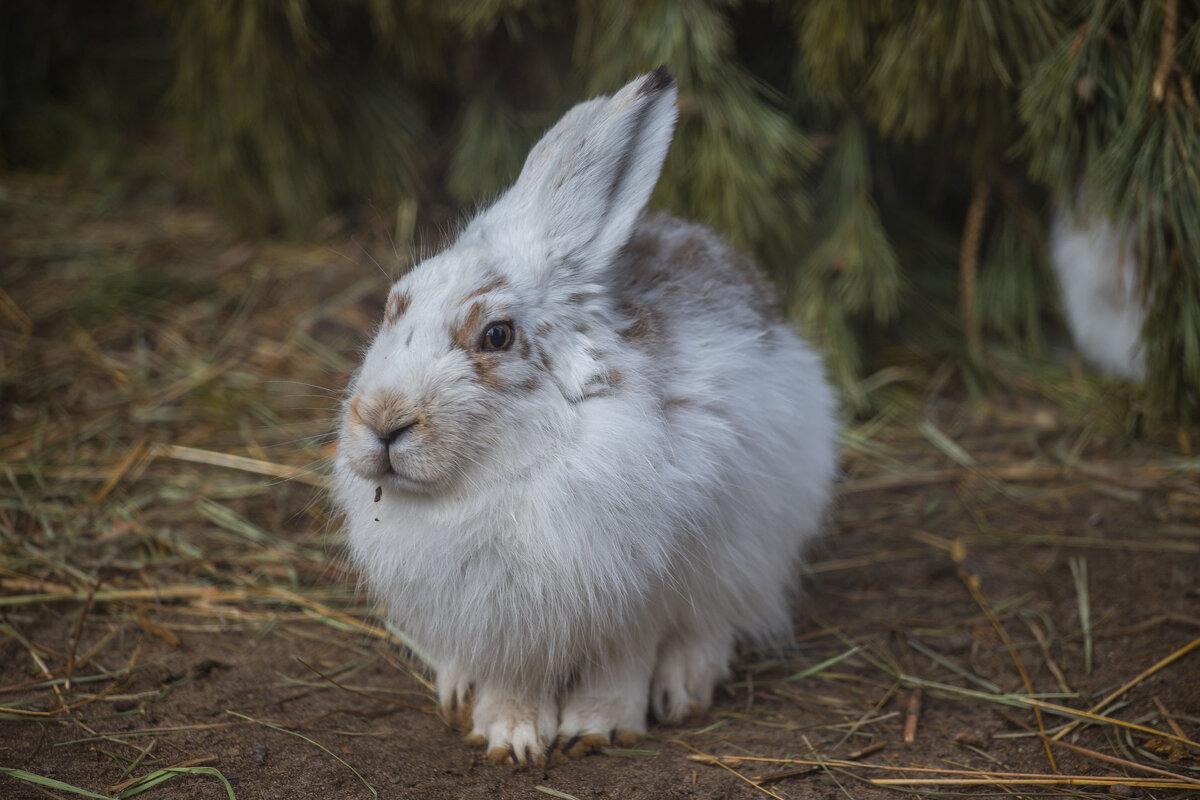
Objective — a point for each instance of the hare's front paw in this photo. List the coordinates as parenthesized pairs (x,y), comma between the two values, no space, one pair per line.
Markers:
(516,729)
(688,669)
(607,706)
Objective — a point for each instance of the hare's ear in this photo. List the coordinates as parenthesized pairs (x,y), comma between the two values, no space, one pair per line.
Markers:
(589,178)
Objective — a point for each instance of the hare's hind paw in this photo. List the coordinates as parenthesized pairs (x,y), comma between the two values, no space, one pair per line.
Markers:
(687,671)
(606,706)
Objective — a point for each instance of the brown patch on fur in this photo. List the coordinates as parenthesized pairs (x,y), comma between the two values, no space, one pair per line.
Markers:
(466,334)
(466,338)
(642,328)
(645,257)
(497,282)
(529,385)
(397,304)
(761,293)
(580,746)
(487,363)
(457,713)
(543,358)
(485,370)
(626,738)
(700,265)
(641,248)
(616,379)
(691,251)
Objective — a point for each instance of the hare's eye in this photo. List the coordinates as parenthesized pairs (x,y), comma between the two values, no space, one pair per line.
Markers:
(498,336)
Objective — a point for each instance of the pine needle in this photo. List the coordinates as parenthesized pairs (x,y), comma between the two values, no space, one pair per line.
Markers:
(1159,665)
(1080,577)
(707,759)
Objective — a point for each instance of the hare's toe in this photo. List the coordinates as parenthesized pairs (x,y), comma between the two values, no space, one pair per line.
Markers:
(456,697)
(525,755)
(519,744)
(514,730)
(581,744)
(628,738)
(458,708)
(687,672)
(578,745)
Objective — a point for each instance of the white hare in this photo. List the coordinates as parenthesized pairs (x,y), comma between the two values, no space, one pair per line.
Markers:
(1097,270)
(583,453)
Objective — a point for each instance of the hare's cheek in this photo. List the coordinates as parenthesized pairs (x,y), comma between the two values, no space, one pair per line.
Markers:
(361,451)
(498,375)
(437,452)
(499,378)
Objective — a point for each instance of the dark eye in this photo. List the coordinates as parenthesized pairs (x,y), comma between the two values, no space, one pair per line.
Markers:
(498,336)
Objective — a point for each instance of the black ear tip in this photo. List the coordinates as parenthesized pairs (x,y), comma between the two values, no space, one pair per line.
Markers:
(657,81)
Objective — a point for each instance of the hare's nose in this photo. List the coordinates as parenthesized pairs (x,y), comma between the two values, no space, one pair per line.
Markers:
(390,437)
(388,416)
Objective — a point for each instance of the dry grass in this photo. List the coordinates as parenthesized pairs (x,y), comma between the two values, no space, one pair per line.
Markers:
(168,397)
(169,401)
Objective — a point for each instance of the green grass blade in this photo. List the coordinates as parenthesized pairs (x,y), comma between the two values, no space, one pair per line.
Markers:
(159,776)
(555,793)
(827,663)
(49,783)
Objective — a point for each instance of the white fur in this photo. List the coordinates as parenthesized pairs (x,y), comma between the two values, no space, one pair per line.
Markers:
(1097,270)
(587,535)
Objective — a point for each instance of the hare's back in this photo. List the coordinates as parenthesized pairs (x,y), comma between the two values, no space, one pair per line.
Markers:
(717,341)
(681,273)
(741,393)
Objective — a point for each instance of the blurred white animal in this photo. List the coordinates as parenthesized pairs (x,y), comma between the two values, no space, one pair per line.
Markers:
(583,453)
(1097,270)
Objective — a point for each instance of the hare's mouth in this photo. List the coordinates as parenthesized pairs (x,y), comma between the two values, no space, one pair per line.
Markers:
(406,459)
(383,474)
(406,484)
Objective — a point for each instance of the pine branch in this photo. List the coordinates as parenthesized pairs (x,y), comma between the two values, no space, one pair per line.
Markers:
(972,241)
(1167,63)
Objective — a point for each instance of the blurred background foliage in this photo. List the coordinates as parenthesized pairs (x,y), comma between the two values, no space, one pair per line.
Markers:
(892,162)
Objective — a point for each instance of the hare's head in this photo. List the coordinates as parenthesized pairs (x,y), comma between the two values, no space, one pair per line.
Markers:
(485,347)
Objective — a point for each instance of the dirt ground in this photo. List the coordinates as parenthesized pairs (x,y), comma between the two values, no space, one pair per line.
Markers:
(173,594)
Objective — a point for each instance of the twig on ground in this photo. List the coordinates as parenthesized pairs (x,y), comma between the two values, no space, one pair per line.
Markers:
(912,712)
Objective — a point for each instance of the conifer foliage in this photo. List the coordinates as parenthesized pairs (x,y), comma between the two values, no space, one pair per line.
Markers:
(893,162)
